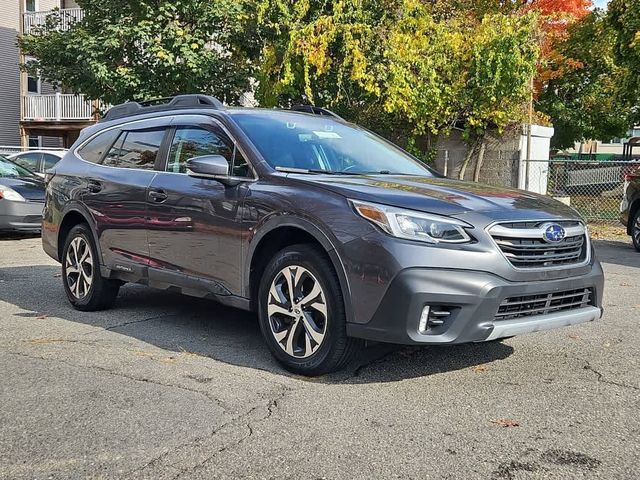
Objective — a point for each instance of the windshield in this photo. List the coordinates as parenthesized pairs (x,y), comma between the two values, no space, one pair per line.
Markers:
(10,169)
(319,143)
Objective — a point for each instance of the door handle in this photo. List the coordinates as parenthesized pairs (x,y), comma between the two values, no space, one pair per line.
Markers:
(158,196)
(94,186)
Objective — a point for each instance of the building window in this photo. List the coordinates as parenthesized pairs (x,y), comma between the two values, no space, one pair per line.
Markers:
(30,5)
(34,141)
(33,85)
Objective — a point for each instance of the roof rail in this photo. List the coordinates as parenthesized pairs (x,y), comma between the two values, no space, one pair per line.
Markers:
(315,110)
(161,104)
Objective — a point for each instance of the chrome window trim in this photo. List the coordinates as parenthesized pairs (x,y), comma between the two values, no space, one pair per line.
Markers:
(170,118)
(581,229)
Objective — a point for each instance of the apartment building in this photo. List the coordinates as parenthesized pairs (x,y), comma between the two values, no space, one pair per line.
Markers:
(32,113)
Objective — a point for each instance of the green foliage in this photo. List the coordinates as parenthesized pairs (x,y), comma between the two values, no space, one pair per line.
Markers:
(125,50)
(589,101)
(423,72)
(624,19)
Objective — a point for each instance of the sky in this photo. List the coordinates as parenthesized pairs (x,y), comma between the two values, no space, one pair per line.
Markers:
(600,3)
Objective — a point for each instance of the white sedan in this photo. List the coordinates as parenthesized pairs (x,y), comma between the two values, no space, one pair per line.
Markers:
(38,161)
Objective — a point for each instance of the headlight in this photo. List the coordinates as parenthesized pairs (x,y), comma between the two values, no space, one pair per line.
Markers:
(413,225)
(10,194)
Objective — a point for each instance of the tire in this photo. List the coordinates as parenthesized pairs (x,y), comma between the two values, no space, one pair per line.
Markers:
(635,229)
(307,335)
(86,290)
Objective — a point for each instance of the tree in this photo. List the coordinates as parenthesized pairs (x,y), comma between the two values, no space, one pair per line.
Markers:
(125,50)
(393,60)
(624,18)
(587,102)
(556,18)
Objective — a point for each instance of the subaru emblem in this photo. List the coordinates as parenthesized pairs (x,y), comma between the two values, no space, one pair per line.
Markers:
(553,233)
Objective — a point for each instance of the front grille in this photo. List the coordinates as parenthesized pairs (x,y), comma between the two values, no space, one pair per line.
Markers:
(544,303)
(524,246)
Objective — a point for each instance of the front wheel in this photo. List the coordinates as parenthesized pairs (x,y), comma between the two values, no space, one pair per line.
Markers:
(85,288)
(302,313)
(635,229)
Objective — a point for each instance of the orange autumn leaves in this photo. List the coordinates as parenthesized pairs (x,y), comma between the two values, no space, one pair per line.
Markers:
(557,16)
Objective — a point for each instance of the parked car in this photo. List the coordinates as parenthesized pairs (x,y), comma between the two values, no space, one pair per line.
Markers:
(21,198)
(38,161)
(630,206)
(329,232)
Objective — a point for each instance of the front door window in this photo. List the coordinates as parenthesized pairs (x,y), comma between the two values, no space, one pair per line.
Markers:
(190,142)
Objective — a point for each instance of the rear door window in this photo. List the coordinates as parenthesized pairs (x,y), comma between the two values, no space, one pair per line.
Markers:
(49,160)
(136,149)
(94,151)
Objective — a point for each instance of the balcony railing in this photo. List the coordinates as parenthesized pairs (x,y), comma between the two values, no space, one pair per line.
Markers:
(56,108)
(68,16)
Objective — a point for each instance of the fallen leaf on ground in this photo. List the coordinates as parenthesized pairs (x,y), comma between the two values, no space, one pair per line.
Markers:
(626,285)
(479,369)
(505,422)
(41,317)
(57,275)
(143,354)
(574,337)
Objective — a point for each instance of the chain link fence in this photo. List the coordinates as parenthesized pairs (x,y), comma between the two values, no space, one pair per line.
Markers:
(594,188)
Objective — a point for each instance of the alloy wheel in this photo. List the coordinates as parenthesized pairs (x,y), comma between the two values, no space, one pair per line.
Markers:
(297,311)
(79,267)
(635,231)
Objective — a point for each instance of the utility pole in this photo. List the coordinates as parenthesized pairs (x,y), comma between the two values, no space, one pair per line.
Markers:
(528,159)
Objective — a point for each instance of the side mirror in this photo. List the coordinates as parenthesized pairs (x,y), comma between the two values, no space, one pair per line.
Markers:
(208,165)
(214,167)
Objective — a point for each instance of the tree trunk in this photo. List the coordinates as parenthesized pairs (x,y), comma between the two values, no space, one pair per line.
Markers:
(467,159)
(483,146)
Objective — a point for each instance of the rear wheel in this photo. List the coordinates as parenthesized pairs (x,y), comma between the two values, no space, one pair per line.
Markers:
(635,229)
(85,288)
(302,314)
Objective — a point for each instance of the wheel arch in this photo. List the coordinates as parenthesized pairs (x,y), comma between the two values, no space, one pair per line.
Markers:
(72,217)
(282,233)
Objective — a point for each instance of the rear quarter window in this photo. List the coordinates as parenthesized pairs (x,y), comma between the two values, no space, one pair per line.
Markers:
(94,151)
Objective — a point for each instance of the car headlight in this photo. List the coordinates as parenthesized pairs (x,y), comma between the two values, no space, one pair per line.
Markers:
(413,225)
(10,194)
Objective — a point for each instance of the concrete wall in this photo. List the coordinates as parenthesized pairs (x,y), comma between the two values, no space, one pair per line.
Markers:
(539,166)
(504,156)
(501,158)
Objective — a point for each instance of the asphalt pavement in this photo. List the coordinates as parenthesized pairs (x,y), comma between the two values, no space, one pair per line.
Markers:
(165,386)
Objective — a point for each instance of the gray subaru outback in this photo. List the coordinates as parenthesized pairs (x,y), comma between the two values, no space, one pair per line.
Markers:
(330,233)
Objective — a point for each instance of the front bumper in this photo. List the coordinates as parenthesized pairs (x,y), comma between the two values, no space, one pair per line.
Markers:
(473,299)
(20,216)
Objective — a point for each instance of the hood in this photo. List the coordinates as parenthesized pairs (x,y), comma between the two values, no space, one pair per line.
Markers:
(31,189)
(443,196)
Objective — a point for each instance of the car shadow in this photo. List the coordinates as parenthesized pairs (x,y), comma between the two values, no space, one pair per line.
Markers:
(617,253)
(6,236)
(200,327)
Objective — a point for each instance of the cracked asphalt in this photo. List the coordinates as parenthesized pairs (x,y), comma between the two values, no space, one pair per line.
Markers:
(167,387)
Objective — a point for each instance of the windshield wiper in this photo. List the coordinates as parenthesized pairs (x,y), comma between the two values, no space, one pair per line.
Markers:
(317,171)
